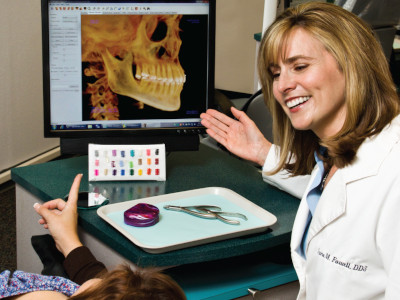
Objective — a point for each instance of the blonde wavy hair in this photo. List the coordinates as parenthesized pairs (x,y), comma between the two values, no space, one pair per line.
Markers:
(370,94)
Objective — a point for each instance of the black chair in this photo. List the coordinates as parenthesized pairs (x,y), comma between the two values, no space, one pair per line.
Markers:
(382,15)
(254,107)
(257,110)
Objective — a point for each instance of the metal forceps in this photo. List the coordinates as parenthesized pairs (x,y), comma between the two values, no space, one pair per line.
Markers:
(208,212)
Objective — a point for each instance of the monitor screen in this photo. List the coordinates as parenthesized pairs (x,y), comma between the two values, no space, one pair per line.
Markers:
(126,68)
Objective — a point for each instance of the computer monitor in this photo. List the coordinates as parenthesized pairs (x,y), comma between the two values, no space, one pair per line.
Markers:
(127,72)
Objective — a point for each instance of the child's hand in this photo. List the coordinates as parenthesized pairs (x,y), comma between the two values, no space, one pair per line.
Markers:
(61,218)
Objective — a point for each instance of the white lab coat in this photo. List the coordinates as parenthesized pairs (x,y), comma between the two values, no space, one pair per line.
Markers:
(353,243)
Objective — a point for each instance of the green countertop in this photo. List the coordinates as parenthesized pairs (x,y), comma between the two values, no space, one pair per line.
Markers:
(185,171)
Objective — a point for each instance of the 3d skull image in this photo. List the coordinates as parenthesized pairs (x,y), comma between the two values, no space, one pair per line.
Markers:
(132,55)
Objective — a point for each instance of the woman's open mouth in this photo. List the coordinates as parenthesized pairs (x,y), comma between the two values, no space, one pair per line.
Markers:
(297,101)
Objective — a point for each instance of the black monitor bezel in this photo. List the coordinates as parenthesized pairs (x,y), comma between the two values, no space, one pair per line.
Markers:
(126,132)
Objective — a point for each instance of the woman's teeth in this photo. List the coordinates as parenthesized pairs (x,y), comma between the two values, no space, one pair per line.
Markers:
(294,102)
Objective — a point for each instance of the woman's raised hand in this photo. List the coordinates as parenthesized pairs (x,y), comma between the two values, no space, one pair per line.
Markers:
(241,136)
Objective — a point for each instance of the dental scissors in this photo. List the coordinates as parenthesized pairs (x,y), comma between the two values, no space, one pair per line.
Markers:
(208,212)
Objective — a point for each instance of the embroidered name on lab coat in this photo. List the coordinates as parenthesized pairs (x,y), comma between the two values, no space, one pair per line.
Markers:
(345,264)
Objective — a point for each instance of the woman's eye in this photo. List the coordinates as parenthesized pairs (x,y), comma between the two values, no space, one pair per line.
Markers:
(275,75)
(300,67)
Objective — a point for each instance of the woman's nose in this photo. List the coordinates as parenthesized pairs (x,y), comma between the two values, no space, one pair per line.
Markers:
(285,82)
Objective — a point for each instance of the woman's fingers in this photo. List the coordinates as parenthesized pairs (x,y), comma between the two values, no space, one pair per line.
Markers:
(220,117)
(217,122)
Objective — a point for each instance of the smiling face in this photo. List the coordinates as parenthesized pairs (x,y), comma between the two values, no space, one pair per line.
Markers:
(309,85)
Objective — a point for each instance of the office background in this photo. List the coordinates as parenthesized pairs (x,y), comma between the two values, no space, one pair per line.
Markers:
(21,114)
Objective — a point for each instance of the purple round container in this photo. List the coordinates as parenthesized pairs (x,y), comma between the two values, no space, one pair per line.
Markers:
(142,215)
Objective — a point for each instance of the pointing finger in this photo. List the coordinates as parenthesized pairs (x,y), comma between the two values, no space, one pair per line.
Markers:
(73,193)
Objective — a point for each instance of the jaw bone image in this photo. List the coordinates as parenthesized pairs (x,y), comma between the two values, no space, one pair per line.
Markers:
(135,56)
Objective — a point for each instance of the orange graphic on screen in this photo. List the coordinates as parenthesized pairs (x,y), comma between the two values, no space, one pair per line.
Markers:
(136,56)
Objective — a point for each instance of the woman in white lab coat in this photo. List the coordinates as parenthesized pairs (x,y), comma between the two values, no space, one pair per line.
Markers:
(336,116)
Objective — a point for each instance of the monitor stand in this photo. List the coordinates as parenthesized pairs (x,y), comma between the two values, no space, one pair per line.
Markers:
(172,142)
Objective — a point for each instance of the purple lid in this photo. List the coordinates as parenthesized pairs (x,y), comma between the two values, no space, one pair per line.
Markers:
(142,215)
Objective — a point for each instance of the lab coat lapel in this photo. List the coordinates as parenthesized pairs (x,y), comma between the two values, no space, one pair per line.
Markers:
(331,206)
(370,155)
(301,218)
